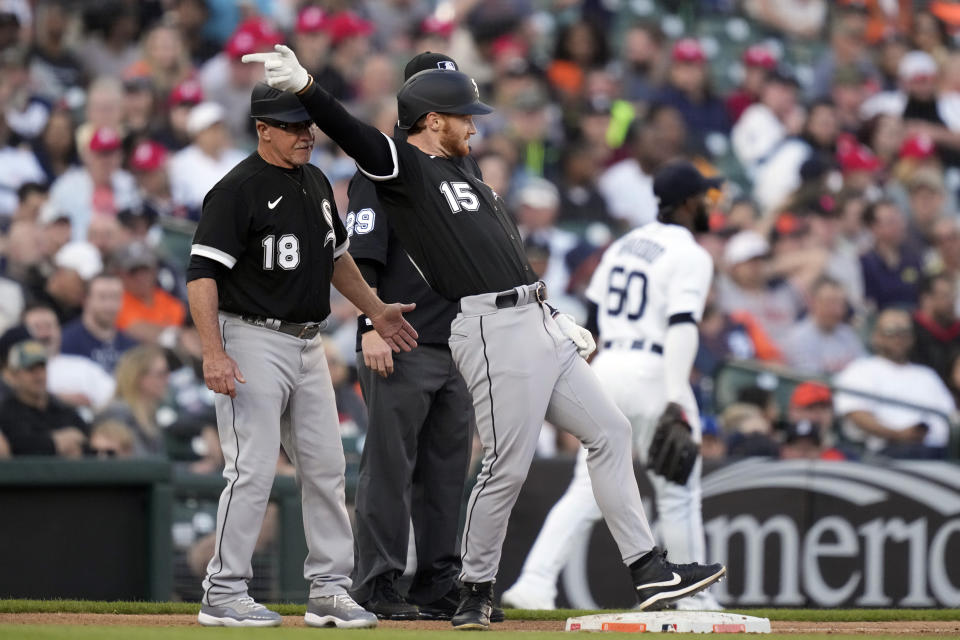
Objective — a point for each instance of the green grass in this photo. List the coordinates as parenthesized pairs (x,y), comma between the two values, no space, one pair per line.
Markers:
(189,608)
(21,632)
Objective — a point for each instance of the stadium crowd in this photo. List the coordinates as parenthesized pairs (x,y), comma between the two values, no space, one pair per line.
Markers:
(836,237)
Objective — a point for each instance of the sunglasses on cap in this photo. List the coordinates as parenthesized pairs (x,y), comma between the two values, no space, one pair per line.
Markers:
(292,127)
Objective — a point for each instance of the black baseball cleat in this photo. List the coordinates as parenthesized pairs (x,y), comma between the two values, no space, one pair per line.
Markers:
(387,603)
(445,607)
(658,582)
(476,605)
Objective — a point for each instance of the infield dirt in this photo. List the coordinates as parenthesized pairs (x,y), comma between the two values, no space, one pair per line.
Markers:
(945,629)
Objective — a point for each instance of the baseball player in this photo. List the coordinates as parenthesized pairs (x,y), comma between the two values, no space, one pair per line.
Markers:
(417,446)
(268,246)
(649,289)
(521,360)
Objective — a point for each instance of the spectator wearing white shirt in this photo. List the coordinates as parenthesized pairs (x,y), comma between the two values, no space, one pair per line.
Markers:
(925,110)
(99,187)
(195,169)
(18,166)
(903,413)
(823,342)
(627,185)
(76,380)
(767,123)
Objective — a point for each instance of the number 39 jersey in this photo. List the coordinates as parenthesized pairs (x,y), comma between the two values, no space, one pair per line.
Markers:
(278,233)
(652,273)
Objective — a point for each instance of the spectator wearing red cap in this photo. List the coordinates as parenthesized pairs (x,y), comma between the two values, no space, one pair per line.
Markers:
(227,80)
(350,41)
(860,166)
(810,428)
(311,38)
(758,62)
(433,34)
(823,342)
(148,164)
(100,186)
(184,97)
(688,90)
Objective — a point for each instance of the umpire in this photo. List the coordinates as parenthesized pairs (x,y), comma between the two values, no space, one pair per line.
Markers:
(268,246)
(421,420)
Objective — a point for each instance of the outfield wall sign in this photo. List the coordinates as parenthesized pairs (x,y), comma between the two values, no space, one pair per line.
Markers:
(828,534)
(794,533)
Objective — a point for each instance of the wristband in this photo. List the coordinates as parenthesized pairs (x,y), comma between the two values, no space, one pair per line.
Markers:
(364,324)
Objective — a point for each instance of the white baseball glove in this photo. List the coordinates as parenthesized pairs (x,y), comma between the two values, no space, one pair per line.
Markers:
(282,68)
(580,336)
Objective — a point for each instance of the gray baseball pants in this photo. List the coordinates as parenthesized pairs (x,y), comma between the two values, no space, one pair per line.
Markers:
(287,399)
(521,368)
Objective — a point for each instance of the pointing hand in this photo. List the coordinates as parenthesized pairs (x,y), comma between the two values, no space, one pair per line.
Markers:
(283,70)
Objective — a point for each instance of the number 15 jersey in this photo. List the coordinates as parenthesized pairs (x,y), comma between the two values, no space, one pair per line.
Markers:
(649,275)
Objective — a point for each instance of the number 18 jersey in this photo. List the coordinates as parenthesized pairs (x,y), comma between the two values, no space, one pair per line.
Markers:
(649,275)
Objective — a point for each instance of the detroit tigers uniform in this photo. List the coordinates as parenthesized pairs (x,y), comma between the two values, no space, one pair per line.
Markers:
(517,363)
(651,274)
(274,233)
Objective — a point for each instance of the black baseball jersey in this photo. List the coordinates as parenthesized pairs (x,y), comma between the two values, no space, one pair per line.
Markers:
(455,228)
(278,233)
(372,237)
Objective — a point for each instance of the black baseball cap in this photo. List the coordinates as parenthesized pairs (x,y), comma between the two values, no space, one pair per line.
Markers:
(274,104)
(428,60)
(677,181)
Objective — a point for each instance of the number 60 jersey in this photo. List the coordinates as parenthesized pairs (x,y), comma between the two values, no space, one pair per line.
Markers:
(653,273)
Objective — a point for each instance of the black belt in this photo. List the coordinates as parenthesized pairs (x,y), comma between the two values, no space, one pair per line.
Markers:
(305,331)
(509,299)
(635,344)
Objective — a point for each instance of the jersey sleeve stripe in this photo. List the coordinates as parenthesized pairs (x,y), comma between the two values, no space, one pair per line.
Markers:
(396,166)
(338,251)
(222,257)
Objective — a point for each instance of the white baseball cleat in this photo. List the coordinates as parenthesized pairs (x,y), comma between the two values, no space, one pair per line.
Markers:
(520,597)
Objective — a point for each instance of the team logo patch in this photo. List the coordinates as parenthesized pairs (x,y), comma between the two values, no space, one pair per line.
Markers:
(447,65)
(331,237)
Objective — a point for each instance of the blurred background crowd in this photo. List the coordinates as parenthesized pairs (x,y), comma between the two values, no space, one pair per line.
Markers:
(836,237)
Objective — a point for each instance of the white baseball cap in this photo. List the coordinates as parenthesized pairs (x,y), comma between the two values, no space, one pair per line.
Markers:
(82,257)
(745,246)
(915,64)
(538,193)
(203,116)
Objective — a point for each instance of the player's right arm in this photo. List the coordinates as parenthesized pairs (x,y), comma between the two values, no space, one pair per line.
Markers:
(220,239)
(219,369)
(374,152)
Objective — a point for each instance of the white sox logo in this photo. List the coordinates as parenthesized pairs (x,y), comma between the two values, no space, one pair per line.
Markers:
(331,237)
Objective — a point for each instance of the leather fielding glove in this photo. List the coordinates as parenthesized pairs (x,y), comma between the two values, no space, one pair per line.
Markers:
(580,336)
(673,453)
(283,70)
